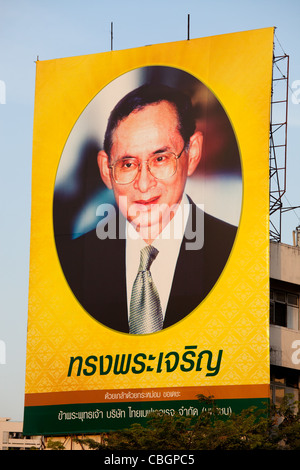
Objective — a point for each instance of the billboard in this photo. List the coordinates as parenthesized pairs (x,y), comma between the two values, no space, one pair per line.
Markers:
(160,150)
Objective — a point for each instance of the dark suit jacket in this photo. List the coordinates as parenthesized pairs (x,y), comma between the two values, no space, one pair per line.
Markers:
(95,272)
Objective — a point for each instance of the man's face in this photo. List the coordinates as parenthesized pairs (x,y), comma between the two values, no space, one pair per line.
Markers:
(146,202)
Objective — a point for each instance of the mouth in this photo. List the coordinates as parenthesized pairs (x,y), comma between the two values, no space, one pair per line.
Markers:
(147,202)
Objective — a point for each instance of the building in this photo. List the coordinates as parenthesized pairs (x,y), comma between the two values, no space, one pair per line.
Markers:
(285,319)
(11,437)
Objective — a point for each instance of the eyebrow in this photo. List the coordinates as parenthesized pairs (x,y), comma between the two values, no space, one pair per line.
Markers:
(155,152)
(162,150)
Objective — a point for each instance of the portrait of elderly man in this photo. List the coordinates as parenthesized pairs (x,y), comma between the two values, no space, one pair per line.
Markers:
(162,254)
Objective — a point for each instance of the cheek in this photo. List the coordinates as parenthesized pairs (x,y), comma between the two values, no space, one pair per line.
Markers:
(173,191)
(123,197)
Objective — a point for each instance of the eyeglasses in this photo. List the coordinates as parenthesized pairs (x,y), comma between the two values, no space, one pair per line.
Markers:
(162,166)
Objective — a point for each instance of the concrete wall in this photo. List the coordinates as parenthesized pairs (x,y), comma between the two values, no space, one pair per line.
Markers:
(285,268)
(8,427)
(284,347)
(285,262)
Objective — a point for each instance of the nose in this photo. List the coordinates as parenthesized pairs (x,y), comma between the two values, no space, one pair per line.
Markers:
(144,180)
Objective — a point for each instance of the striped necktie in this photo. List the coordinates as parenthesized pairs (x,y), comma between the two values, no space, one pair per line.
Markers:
(145,309)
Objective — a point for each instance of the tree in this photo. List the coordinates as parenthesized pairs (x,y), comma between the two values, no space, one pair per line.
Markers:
(287,424)
(55,445)
(252,429)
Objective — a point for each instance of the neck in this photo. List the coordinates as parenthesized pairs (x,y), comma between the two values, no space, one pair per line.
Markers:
(149,234)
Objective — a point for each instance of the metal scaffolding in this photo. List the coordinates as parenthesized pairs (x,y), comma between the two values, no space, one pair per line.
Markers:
(278,142)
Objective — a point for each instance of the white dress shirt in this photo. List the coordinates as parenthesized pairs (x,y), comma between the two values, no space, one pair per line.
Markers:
(163,267)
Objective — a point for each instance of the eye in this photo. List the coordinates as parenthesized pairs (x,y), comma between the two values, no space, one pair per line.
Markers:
(127,164)
(161,159)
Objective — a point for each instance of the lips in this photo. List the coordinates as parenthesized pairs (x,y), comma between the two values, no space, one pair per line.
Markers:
(147,202)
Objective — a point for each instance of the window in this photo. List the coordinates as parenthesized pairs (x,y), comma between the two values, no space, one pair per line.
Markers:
(284,382)
(284,309)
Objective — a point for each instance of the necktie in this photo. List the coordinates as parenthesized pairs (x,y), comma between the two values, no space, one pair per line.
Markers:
(145,309)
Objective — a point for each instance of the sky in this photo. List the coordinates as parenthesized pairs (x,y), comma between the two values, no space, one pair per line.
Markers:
(51,29)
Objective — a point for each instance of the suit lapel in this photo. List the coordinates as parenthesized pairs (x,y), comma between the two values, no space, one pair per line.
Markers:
(187,288)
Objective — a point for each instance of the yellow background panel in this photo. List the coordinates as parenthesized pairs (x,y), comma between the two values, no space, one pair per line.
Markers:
(234,317)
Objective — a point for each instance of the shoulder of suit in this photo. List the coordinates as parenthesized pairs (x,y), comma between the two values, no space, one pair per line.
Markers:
(210,220)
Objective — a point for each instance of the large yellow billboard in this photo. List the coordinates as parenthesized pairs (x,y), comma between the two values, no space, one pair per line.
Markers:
(150,233)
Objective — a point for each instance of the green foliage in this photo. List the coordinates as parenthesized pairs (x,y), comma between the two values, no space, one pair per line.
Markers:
(161,432)
(252,429)
(288,424)
(55,445)
(90,443)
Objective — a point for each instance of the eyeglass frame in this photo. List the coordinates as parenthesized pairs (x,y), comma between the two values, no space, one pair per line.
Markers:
(111,167)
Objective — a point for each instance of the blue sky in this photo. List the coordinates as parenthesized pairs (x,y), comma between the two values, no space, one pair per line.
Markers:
(52,29)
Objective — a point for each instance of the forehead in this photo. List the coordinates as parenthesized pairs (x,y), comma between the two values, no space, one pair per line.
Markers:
(146,130)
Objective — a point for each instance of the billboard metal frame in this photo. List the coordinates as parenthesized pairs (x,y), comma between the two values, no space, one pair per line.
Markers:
(278,143)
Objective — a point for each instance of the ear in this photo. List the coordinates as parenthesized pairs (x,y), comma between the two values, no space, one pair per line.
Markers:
(195,151)
(103,164)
